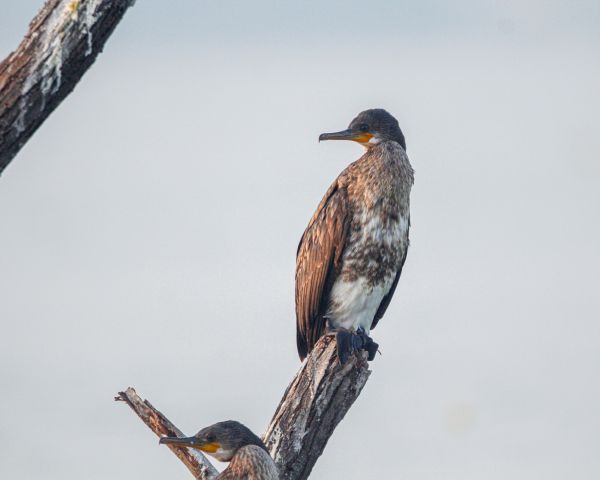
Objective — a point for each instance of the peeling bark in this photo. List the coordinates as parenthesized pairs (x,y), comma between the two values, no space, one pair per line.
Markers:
(63,41)
(312,406)
(314,403)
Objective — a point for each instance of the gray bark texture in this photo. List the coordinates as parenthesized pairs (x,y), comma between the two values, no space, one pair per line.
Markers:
(314,403)
(63,41)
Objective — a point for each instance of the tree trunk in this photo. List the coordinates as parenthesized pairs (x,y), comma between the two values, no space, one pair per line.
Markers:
(312,406)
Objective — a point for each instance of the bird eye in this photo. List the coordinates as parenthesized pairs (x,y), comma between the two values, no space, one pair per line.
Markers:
(363,127)
(210,438)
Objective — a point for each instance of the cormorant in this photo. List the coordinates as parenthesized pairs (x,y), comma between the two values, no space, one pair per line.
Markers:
(351,254)
(230,441)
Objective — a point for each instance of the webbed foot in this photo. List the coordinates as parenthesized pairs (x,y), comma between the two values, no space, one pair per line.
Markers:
(349,342)
(367,344)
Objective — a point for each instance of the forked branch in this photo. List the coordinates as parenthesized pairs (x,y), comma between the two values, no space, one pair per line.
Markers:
(312,406)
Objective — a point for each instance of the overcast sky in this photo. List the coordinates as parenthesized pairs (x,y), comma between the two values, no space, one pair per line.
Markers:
(149,230)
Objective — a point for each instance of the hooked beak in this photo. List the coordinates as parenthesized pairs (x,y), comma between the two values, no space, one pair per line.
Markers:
(192,442)
(348,134)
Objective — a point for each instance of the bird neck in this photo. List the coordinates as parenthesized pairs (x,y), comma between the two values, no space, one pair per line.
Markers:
(380,143)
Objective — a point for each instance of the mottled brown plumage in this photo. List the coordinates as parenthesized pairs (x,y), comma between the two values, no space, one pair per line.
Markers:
(250,463)
(318,262)
(351,254)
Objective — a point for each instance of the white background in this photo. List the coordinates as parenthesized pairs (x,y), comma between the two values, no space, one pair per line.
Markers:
(149,228)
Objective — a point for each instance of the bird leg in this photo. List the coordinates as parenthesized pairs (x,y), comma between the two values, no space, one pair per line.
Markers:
(344,340)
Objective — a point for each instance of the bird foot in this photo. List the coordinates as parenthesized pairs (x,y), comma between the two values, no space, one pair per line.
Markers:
(349,342)
(368,345)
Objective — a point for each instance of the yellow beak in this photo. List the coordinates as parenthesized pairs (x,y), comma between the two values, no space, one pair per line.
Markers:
(191,442)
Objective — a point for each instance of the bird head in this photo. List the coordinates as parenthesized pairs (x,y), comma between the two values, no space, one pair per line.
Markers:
(370,128)
(221,440)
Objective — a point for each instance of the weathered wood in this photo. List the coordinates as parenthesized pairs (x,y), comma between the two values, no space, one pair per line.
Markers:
(63,41)
(312,406)
(314,403)
(194,460)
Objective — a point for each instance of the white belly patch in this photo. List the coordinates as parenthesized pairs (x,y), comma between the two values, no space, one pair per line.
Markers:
(355,303)
(370,264)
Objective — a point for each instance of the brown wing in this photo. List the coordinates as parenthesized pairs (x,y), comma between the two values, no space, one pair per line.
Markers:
(388,298)
(318,262)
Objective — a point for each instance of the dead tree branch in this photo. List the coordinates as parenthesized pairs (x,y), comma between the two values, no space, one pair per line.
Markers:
(194,460)
(63,41)
(312,406)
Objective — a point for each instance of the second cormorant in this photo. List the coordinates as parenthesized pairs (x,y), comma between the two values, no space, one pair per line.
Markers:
(230,441)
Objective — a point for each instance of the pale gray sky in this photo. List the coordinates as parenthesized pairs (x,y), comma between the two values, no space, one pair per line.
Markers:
(149,231)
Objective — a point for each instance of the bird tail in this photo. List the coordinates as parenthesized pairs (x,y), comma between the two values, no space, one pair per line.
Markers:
(301,344)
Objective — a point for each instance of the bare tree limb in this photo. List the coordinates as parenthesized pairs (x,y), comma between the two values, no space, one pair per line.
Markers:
(312,406)
(194,460)
(63,41)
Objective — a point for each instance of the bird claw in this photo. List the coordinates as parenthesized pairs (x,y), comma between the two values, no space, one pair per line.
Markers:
(349,342)
(368,345)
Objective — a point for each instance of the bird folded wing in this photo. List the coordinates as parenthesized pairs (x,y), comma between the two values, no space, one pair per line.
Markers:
(318,262)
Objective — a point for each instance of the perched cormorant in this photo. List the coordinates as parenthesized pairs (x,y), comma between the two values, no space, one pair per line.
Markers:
(231,441)
(351,254)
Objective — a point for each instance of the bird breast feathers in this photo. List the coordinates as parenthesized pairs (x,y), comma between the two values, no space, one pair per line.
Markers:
(387,233)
